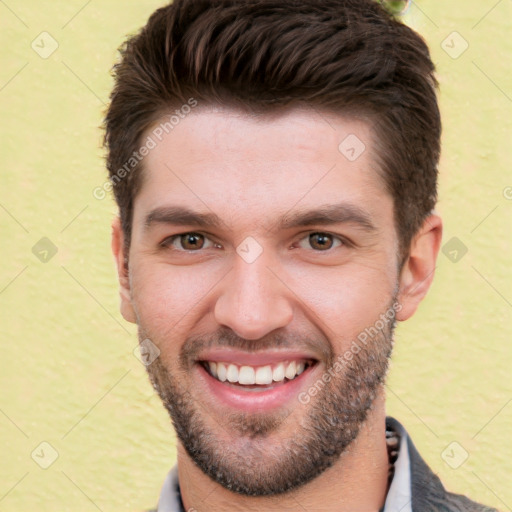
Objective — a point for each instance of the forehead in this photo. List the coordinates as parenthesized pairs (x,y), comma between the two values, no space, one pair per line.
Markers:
(247,165)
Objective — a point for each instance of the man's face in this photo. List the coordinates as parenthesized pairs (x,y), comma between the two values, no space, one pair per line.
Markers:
(298,258)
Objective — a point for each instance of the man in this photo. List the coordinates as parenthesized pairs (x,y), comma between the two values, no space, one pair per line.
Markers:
(275,167)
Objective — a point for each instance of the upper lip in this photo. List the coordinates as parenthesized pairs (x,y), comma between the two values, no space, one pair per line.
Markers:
(240,357)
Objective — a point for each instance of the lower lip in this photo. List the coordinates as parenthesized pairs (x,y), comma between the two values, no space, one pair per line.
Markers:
(255,399)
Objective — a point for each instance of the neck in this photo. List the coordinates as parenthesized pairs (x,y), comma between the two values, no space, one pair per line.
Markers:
(357,482)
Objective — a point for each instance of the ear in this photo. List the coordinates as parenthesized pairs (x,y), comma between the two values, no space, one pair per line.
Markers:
(122,271)
(418,270)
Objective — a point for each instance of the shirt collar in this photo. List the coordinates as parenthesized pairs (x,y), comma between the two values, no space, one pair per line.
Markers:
(398,499)
(169,497)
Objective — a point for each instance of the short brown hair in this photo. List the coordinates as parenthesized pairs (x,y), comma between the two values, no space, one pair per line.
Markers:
(342,56)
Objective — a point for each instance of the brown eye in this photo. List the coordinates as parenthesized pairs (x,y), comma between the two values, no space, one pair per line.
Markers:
(192,241)
(321,241)
(188,242)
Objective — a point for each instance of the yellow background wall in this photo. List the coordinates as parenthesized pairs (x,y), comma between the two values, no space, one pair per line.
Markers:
(68,375)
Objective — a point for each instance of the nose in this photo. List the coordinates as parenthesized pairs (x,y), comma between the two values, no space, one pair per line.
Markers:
(253,300)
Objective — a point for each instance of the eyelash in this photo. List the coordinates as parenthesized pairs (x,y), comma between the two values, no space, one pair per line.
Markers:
(170,240)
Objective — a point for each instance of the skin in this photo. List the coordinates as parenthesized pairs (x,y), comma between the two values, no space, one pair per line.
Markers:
(250,172)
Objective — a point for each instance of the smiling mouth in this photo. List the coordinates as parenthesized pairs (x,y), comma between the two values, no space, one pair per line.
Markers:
(257,377)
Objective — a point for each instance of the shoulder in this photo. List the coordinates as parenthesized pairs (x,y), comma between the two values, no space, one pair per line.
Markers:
(427,491)
(429,494)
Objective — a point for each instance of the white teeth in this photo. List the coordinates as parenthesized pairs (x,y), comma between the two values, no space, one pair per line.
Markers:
(232,374)
(246,375)
(291,370)
(278,373)
(213,368)
(222,372)
(264,375)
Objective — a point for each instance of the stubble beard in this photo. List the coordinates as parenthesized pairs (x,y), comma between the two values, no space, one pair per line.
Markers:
(260,462)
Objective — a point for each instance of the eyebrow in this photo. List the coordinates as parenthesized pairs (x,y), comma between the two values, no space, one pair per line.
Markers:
(329,214)
(324,215)
(181,216)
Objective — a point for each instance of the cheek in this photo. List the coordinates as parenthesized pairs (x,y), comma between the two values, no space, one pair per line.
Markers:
(167,299)
(344,301)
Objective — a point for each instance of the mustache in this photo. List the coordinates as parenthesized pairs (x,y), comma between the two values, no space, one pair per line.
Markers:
(227,338)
